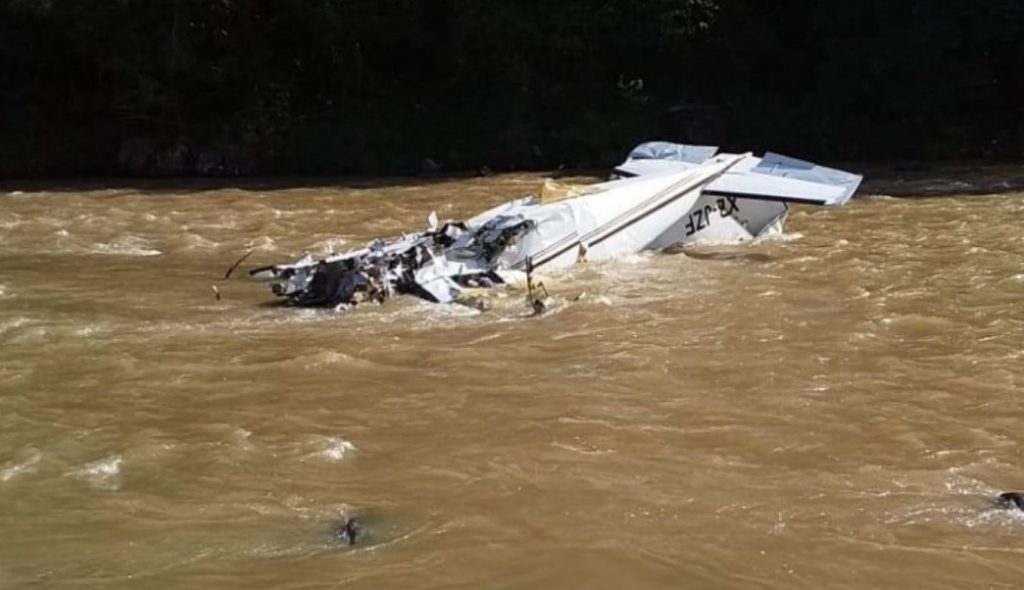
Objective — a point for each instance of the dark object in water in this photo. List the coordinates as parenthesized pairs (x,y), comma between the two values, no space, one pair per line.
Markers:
(227,275)
(350,531)
(537,304)
(1011,500)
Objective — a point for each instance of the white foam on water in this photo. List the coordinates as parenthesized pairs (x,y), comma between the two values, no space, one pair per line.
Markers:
(331,449)
(15,468)
(120,251)
(90,330)
(633,259)
(198,242)
(330,246)
(327,357)
(131,246)
(781,237)
(332,357)
(969,503)
(582,448)
(336,449)
(12,324)
(9,223)
(261,243)
(1002,517)
(427,314)
(104,473)
(241,436)
(804,259)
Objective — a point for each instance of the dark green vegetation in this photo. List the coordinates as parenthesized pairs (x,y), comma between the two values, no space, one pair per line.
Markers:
(377,86)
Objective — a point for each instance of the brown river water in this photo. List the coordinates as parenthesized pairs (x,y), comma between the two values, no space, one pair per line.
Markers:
(833,408)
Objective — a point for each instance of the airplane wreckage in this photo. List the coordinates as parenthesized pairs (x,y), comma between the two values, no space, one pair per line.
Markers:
(664,195)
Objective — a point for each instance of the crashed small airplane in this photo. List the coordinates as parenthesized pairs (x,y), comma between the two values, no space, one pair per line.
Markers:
(665,194)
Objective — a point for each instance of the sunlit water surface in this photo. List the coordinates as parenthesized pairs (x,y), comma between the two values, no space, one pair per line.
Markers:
(834,408)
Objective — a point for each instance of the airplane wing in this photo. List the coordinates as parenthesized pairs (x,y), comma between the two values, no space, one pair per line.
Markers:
(771,178)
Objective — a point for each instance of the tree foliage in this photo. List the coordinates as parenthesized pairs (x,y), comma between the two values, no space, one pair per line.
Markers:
(375,86)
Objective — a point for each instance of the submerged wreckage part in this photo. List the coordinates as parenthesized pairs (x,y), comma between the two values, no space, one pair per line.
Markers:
(672,195)
(434,265)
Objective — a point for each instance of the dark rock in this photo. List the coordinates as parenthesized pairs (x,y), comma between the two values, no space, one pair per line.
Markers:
(350,532)
(1011,500)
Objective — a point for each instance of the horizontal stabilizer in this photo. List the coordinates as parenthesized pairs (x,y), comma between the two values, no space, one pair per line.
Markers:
(779,178)
(778,165)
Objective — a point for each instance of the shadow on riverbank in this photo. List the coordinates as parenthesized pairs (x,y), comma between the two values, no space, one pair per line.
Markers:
(919,179)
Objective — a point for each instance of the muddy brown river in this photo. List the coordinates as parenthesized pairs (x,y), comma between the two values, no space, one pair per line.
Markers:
(834,408)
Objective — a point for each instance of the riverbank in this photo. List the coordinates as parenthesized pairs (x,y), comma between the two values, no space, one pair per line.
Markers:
(902,179)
